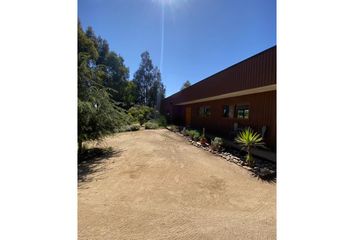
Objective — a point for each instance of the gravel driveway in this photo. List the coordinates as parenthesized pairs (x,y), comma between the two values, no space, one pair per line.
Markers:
(158,186)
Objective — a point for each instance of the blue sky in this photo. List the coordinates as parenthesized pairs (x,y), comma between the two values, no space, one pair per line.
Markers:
(196,39)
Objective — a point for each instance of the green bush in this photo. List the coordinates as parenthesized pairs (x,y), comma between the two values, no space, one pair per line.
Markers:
(151,125)
(194,134)
(141,114)
(99,117)
(216,143)
(173,128)
(188,133)
(162,121)
(135,127)
(124,128)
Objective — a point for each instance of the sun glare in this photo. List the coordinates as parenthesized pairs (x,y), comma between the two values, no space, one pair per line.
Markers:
(164,2)
(168,2)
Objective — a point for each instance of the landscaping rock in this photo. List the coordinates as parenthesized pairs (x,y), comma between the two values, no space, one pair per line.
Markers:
(247,167)
(264,172)
(262,168)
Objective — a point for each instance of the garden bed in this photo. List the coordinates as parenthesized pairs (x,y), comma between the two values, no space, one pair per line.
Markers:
(262,168)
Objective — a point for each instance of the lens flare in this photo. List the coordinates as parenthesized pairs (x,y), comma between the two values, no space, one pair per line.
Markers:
(171,5)
(162,37)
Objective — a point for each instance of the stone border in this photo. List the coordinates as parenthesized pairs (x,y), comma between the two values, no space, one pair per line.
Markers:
(264,170)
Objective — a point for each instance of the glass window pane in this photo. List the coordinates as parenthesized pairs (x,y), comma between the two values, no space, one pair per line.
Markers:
(201,111)
(226,111)
(240,113)
(207,111)
(231,112)
(246,113)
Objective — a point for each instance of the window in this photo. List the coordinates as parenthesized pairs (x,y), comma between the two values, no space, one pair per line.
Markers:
(226,111)
(204,111)
(207,111)
(201,111)
(242,111)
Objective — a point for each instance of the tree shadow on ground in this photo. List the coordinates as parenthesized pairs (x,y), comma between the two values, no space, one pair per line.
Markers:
(270,173)
(270,178)
(92,161)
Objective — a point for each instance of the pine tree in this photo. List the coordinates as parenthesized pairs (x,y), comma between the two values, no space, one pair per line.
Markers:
(186,84)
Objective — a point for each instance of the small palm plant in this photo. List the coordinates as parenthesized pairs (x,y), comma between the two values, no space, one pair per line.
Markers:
(249,139)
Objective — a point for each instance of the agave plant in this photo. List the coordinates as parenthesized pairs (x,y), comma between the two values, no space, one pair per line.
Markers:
(249,139)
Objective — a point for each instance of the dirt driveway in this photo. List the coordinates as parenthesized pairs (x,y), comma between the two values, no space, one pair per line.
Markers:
(158,186)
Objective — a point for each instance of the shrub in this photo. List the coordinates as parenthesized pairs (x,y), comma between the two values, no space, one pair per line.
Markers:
(125,128)
(184,131)
(141,114)
(194,134)
(248,140)
(162,121)
(189,133)
(151,125)
(173,128)
(135,127)
(216,143)
(98,116)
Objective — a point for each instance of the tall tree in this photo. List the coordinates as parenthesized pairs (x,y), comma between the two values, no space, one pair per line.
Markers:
(130,94)
(114,73)
(103,50)
(117,76)
(92,36)
(86,45)
(157,91)
(147,79)
(186,84)
(97,114)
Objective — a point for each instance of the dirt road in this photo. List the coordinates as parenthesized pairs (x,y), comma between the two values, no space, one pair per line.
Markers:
(158,186)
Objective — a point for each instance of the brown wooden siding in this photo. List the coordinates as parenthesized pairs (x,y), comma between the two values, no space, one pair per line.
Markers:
(256,71)
(262,108)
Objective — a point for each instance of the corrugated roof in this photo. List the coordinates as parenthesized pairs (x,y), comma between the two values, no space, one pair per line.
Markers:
(255,71)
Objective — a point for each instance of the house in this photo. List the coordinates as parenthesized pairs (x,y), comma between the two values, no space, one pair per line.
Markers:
(239,96)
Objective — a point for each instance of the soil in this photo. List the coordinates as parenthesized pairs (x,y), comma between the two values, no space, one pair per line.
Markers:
(158,186)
